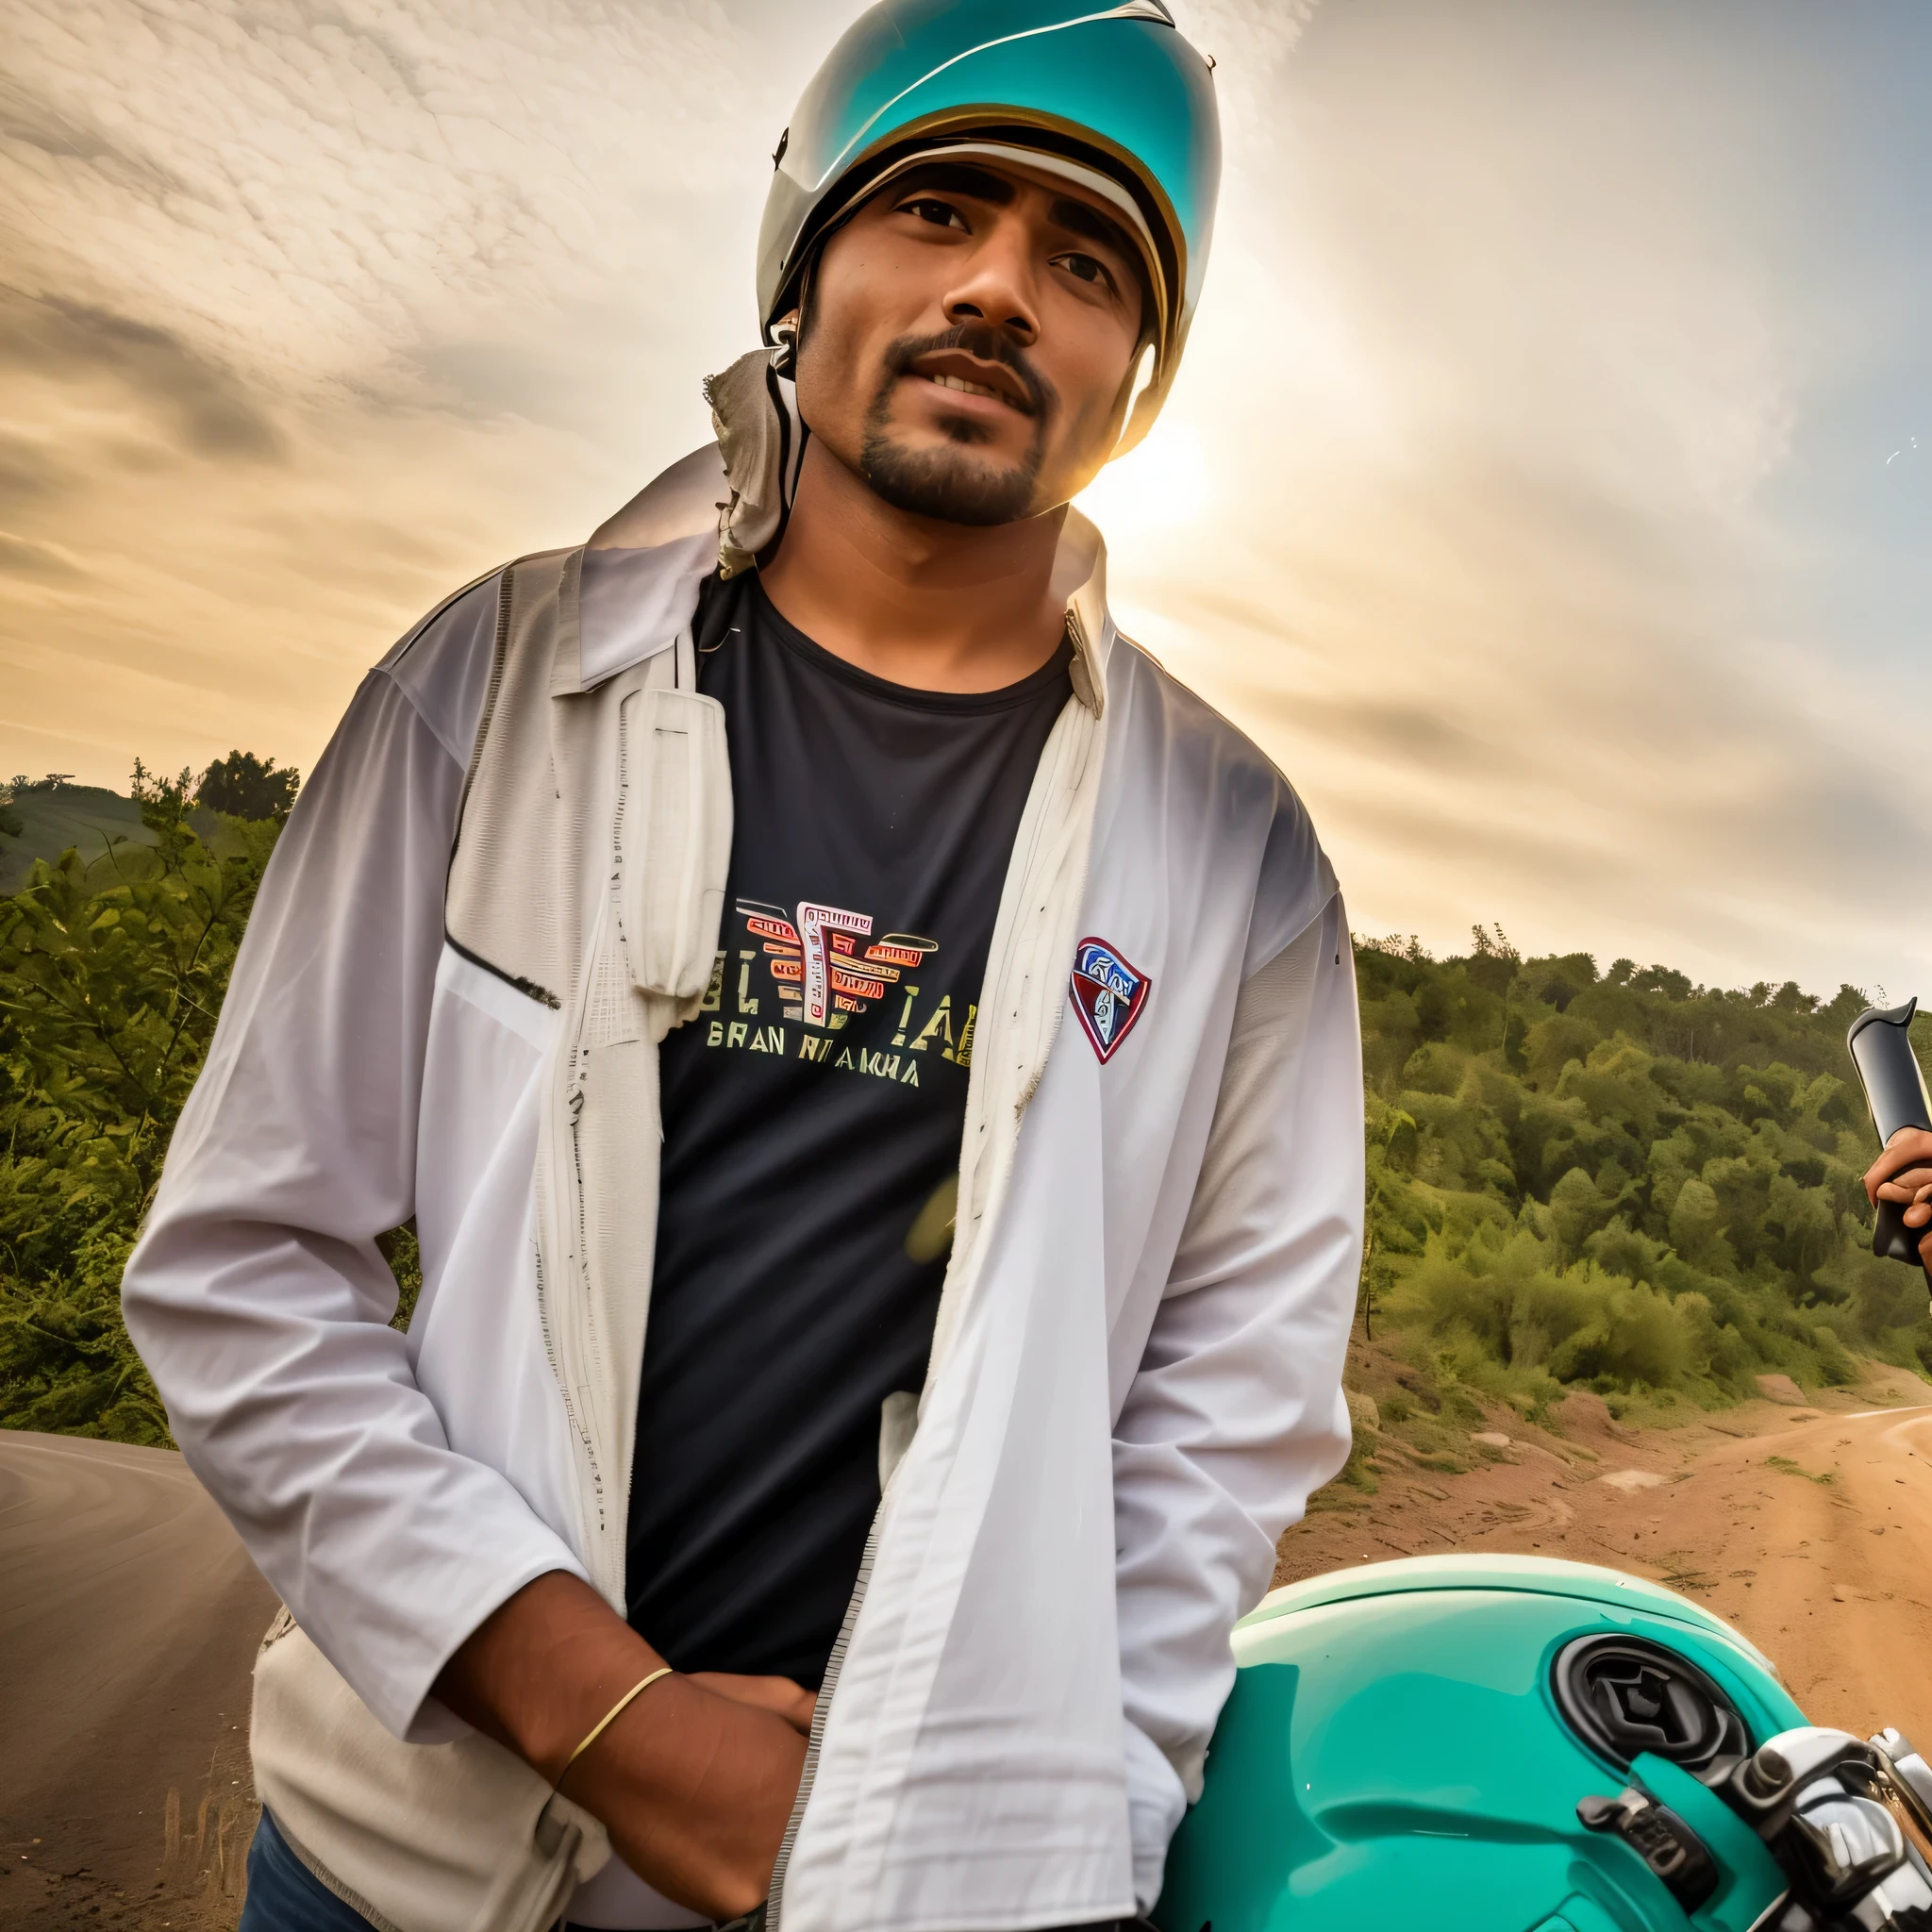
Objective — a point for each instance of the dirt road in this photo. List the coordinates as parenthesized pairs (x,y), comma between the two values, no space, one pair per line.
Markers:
(128,1620)
(1819,1547)
(1809,1529)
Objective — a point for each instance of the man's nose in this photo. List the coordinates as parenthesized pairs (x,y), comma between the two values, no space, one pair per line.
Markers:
(998,287)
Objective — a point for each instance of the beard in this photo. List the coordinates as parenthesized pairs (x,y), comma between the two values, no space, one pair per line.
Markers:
(951,485)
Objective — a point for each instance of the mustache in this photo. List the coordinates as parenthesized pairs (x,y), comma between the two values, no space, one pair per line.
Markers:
(990,344)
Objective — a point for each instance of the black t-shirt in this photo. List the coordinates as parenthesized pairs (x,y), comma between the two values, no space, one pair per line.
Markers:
(812,1117)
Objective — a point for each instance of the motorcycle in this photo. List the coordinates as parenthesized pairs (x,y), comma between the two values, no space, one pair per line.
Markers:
(1506,1743)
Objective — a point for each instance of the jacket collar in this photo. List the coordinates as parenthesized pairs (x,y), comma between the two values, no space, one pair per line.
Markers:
(634,585)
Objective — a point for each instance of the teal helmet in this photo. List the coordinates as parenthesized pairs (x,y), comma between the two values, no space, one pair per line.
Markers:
(1498,1744)
(1111,95)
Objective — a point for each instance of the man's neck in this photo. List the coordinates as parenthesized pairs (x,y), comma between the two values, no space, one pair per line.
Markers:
(934,605)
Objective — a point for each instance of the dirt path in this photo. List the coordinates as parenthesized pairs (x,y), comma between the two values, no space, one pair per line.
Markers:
(1822,1558)
(128,1620)
(1809,1529)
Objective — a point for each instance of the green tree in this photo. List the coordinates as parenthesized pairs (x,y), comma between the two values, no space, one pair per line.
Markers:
(246,786)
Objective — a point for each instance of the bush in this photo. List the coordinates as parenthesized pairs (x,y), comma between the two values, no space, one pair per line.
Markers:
(1626,1182)
(111,979)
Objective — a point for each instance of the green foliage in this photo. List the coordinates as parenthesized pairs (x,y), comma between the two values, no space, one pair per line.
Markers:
(1621,1181)
(1785,1466)
(246,786)
(110,978)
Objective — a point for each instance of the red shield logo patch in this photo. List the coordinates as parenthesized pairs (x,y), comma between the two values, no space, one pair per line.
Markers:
(1107,995)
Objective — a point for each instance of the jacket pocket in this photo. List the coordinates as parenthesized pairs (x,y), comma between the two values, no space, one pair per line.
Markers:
(674,839)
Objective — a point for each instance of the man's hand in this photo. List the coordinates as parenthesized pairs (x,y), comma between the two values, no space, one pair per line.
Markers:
(695,1791)
(1904,1173)
(780,1695)
(695,1781)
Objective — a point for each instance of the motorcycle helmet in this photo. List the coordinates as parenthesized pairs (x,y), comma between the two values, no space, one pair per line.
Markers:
(1110,96)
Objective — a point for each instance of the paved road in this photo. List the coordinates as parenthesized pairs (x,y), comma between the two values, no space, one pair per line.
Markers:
(128,1620)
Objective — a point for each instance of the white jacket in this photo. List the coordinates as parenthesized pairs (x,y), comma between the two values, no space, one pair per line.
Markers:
(1136,1379)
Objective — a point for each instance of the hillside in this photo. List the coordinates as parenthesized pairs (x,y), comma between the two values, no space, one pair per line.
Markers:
(88,818)
(1608,1180)
(1614,1181)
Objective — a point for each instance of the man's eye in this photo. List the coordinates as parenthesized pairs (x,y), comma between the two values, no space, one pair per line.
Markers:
(941,214)
(1086,269)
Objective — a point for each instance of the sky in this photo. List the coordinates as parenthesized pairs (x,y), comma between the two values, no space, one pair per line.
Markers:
(1543,489)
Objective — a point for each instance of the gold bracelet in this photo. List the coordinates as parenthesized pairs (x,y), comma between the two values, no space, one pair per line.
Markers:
(610,1717)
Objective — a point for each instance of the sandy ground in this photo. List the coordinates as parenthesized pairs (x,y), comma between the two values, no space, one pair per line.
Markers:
(1809,1528)
(128,1620)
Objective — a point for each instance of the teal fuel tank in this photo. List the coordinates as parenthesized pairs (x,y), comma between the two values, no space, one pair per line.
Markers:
(1408,1744)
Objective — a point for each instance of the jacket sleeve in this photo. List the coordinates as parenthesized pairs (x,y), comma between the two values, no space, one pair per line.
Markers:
(256,1295)
(1237,1413)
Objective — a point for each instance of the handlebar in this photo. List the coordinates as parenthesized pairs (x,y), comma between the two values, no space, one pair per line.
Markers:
(1881,1049)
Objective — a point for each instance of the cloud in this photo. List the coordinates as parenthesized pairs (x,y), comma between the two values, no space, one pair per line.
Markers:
(1476,500)
(208,409)
(302,190)
(31,473)
(309,310)
(1499,377)
(21,557)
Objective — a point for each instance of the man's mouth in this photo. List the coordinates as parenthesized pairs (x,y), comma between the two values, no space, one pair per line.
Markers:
(965,388)
(968,374)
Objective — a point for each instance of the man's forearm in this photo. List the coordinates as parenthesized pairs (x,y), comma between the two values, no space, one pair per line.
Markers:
(694,1784)
(538,1672)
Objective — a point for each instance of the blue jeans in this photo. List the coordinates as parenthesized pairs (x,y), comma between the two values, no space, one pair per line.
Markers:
(284,1895)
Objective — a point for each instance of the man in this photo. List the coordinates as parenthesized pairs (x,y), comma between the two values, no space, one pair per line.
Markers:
(801,915)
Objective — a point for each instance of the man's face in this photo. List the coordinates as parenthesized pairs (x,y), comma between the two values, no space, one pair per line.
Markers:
(967,342)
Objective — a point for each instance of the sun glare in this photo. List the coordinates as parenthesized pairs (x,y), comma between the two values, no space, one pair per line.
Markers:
(1160,488)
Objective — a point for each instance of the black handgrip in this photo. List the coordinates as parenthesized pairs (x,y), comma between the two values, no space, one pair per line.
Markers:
(1893,1241)
(1881,1049)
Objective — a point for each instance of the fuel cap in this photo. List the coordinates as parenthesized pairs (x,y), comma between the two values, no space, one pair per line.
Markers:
(1625,1695)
